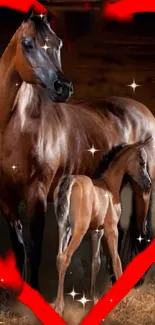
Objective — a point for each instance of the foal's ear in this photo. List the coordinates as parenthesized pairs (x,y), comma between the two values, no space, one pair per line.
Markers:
(143,154)
(29,14)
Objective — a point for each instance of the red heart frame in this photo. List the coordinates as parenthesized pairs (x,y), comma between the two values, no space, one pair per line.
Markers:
(125,9)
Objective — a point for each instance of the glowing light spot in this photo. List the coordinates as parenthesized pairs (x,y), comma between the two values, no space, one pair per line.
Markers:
(45,47)
(133,85)
(73,293)
(92,150)
(83,300)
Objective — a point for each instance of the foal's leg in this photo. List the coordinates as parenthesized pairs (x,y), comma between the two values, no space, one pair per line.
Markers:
(64,237)
(36,204)
(63,262)
(111,234)
(80,224)
(96,260)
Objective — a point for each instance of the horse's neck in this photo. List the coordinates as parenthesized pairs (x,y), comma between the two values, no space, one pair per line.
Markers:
(115,173)
(10,82)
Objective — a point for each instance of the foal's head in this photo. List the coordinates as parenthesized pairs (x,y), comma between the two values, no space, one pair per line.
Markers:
(137,164)
(38,57)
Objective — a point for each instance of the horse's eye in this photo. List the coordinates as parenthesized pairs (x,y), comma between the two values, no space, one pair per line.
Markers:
(28,43)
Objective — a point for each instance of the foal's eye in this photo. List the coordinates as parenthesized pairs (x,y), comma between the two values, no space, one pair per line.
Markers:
(142,164)
(28,43)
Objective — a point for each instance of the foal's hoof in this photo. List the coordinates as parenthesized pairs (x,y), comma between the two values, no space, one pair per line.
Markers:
(59,308)
(95,300)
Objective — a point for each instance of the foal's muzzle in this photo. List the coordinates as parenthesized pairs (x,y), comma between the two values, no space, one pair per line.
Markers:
(147,183)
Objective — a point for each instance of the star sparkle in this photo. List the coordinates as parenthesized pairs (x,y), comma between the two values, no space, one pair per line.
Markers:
(92,150)
(133,85)
(2,280)
(111,300)
(47,39)
(45,47)
(13,167)
(140,239)
(41,15)
(73,293)
(83,300)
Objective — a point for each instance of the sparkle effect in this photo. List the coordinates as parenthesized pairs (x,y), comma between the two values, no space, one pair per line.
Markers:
(140,238)
(45,47)
(73,293)
(47,39)
(83,300)
(92,150)
(41,15)
(14,167)
(2,280)
(133,85)
(111,300)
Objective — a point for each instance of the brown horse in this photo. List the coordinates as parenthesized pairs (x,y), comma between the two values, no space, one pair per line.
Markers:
(42,138)
(82,204)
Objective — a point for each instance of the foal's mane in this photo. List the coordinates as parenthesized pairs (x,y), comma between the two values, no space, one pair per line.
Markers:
(115,153)
(137,145)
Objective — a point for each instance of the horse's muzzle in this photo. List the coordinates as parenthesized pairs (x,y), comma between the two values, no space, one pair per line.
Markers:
(63,90)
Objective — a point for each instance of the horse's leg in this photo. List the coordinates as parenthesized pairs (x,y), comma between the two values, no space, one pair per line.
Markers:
(11,213)
(96,260)
(36,204)
(111,234)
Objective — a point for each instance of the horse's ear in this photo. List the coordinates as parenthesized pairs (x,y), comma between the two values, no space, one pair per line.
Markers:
(29,14)
(48,17)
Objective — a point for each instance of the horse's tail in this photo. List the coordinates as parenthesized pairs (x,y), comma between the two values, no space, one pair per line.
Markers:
(62,197)
(130,245)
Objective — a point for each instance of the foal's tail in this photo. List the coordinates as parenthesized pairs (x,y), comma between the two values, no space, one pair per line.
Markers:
(130,245)
(62,198)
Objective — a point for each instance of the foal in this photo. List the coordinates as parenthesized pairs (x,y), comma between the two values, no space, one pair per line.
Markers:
(82,204)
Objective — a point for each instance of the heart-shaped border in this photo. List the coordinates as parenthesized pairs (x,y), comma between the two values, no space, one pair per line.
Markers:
(124,10)
(46,314)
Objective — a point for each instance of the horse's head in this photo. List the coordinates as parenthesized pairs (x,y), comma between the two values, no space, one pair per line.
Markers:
(38,57)
(137,165)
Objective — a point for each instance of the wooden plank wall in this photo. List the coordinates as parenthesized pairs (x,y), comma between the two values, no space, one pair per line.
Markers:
(107,59)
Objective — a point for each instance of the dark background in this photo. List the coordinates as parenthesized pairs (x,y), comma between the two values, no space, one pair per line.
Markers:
(101,58)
